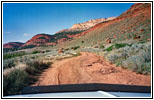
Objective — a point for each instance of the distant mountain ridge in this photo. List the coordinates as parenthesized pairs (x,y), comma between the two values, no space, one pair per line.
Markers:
(132,24)
(15,45)
(61,36)
(85,25)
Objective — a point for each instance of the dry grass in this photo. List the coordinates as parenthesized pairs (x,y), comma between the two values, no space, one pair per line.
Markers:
(136,57)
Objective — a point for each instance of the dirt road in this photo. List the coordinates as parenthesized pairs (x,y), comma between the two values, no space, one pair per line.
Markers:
(89,68)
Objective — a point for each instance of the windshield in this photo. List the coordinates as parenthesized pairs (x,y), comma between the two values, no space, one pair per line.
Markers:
(63,44)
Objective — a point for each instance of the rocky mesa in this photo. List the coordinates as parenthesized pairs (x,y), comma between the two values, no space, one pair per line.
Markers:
(86,25)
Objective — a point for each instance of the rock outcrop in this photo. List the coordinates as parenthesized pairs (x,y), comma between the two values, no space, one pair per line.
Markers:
(86,25)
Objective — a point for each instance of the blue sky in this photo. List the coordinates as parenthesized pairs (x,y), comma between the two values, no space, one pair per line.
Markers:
(21,21)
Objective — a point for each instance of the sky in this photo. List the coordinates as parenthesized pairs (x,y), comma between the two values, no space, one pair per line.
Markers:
(21,21)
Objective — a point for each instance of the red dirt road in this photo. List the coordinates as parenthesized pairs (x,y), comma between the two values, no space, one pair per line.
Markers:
(89,68)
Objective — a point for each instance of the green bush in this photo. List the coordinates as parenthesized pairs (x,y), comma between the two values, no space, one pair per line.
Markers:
(117,46)
(8,63)
(109,48)
(136,57)
(35,52)
(36,67)
(8,56)
(113,58)
(15,81)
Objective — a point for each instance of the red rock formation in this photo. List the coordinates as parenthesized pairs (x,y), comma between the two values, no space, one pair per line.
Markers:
(86,25)
(93,25)
(62,40)
(13,45)
(40,39)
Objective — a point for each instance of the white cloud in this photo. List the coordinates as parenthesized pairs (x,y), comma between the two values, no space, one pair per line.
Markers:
(26,34)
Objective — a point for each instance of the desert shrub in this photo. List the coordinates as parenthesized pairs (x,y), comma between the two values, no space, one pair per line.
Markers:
(124,55)
(8,56)
(118,63)
(133,62)
(117,46)
(35,52)
(137,64)
(136,57)
(35,67)
(109,48)
(76,47)
(5,50)
(15,81)
(146,55)
(140,62)
(8,63)
(146,68)
(112,58)
(82,41)
(47,51)
(121,45)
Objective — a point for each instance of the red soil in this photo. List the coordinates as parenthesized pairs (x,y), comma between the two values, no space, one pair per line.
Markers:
(89,68)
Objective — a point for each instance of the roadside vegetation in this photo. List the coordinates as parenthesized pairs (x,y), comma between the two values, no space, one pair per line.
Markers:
(5,50)
(132,56)
(117,46)
(136,57)
(17,54)
(16,79)
(12,55)
(21,71)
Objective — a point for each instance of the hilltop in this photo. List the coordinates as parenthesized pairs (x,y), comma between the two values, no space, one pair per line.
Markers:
(85,25)
(13,45)
(61,36)
(132,25)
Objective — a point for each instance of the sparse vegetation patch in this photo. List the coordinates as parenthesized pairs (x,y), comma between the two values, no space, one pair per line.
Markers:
(8,56)
(17,79)
(136,57)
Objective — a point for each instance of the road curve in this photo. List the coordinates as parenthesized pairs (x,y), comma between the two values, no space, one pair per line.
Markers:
(89,68)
